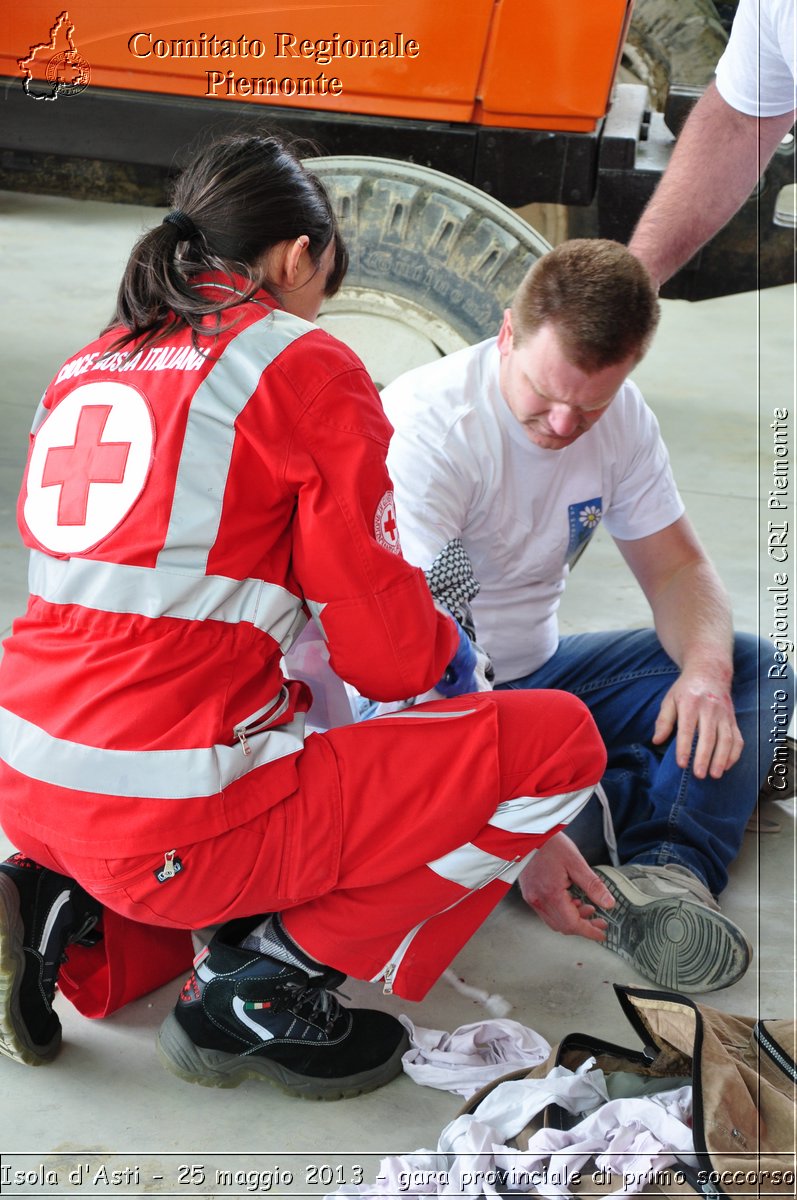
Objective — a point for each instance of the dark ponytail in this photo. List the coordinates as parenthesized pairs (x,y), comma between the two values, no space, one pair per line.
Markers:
(241,195)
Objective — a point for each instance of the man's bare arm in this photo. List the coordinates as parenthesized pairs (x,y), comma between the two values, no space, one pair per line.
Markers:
(717,161)
(692,615)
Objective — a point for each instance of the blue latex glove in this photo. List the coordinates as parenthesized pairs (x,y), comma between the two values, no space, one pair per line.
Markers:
(460,674)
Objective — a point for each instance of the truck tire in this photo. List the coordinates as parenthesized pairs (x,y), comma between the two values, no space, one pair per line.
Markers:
(674,44)
(433,261)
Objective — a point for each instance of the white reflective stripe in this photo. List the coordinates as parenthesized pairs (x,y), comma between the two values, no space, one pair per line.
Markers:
(507,871)
(39,415)
(155,774)
(470,866)
(473,867)
(52,917)
(316,608)
(245,1019)
(157,592)
(414,715)
(210,435)
(538,814)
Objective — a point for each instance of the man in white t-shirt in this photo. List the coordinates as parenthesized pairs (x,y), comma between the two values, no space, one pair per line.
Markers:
(505,458)
(729,138)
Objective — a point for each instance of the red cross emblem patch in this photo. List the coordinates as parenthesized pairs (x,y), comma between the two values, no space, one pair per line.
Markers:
(385,527)
(90,459)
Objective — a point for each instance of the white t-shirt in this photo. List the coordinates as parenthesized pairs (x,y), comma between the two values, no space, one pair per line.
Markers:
(756,73)
(463,467)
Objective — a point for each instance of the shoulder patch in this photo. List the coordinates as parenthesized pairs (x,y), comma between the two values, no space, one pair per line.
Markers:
(385,527)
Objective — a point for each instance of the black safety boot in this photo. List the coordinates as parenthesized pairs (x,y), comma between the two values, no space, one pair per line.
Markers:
(243,1015)
(41,913)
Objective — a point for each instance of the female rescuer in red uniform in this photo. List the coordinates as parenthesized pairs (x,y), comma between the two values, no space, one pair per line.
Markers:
(202,479)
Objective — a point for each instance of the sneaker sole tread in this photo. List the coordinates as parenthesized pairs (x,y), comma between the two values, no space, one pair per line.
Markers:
(217,1068)
(675,942)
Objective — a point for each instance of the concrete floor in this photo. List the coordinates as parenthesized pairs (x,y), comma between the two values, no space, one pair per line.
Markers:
(714,376)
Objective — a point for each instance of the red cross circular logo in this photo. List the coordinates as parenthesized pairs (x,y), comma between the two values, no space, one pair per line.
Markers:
(385,526)
(90,459)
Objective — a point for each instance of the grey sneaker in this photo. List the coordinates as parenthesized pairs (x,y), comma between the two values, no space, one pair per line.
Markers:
(669,927)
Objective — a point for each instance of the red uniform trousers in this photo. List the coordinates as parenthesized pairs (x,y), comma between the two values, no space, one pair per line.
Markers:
(404,834)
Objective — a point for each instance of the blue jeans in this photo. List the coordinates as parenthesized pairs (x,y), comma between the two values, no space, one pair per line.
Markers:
(661,812)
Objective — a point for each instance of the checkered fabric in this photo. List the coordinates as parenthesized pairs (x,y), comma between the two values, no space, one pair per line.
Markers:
(453,584)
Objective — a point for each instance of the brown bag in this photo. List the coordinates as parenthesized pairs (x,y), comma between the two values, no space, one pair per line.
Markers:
(744,1096)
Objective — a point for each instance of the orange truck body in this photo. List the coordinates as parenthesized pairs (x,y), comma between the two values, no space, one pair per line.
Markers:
(532,64)
(516,97)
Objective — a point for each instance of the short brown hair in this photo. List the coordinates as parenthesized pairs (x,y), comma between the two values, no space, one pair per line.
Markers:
(597,294)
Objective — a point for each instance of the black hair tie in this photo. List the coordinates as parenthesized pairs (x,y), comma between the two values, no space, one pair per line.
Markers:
(182,223)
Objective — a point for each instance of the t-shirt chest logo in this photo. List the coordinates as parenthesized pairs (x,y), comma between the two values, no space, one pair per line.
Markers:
(89,462)
(583,519)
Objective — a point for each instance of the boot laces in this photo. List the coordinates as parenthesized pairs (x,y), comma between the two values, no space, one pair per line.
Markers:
(84,935)
(317,1004)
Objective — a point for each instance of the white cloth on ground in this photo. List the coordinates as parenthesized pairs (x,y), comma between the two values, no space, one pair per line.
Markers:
(472,1056)
(632,1138)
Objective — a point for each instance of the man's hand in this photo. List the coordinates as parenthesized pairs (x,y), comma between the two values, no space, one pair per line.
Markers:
(700,707)
(544,883)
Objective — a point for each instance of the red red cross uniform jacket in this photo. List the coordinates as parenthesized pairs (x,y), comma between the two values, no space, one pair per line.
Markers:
(184,511)
(188,508)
